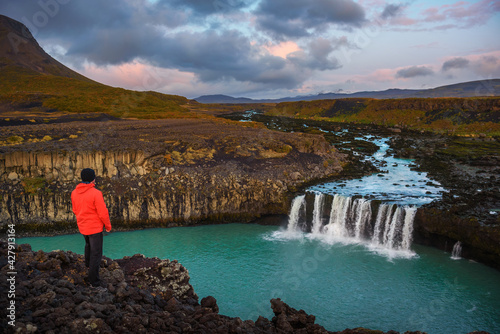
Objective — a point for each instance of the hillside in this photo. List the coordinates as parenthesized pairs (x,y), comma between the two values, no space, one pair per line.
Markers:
(32,81)
(465,89)
(446,115)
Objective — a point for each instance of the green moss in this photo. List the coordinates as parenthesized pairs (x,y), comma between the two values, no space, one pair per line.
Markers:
(470,148)
(31,185)
(15,139)
(22,87)
(458,116)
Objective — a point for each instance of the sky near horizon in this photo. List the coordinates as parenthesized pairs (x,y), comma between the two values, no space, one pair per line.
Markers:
(268,48)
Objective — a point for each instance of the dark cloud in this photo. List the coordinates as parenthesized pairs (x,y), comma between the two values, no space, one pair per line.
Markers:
(392,10)
(455,63)
(108,32)
(212,56)
(414,71)
(63,19)
(225,56)
(293,18)
(208,7)
(318,56)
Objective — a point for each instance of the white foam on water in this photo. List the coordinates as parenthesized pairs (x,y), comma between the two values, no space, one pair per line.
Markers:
(350,222)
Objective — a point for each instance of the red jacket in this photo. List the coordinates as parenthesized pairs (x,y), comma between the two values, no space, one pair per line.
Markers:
(90,209)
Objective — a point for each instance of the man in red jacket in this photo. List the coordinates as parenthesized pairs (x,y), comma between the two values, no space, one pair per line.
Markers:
(91,216)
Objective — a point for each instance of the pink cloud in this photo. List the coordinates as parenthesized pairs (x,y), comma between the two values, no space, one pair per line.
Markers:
(463,12)
(282,49)
(138,76)
(486,65)
(404,21)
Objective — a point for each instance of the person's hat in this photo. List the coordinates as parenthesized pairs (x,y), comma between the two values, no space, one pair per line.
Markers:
(88,175)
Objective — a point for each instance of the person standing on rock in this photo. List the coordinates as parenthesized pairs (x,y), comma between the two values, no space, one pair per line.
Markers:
(91,216)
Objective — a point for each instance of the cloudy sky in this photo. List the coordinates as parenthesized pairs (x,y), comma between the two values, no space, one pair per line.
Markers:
(268,48)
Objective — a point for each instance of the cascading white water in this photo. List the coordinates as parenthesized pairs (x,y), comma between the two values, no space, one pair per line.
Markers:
(353,219)
(456,253)
(410,213)
(317,213)
(393,228)
(294,217)
(337,225)
(380,222)
(363,217)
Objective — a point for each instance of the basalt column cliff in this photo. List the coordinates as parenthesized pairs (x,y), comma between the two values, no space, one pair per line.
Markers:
(156,173)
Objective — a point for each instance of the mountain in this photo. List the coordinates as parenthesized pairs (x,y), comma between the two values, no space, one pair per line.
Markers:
(32,81)
(18,48)
(219,98)
(466,89)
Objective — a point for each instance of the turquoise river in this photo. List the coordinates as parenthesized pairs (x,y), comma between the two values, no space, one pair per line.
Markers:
(344,285)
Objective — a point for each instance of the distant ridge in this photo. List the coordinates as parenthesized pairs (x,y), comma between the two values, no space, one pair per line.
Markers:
(465,89)
(219,98)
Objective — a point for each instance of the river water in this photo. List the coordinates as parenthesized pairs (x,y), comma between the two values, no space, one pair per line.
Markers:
(344,285)
(350,266)
(396,183)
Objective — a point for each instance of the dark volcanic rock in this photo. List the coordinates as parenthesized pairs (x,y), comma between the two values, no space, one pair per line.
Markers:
(469,211)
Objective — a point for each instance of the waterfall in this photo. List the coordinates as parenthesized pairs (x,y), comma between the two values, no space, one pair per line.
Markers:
(294,217)
(317,213)
(456,253)
(363,216)
(380,222)
(336,227)
(408,227)
(393,227)
(355,220)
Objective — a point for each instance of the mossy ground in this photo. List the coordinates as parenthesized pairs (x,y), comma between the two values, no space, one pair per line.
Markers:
(455,116)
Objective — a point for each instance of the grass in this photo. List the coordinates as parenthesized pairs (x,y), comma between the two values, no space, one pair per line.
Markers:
(471,149)
(455,116)
(27,90)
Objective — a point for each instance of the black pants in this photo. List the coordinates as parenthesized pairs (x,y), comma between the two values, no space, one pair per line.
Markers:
(93,256)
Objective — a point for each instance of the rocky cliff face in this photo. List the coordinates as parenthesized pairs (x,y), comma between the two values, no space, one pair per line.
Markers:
(156,173)
(442,229)
(469,211)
